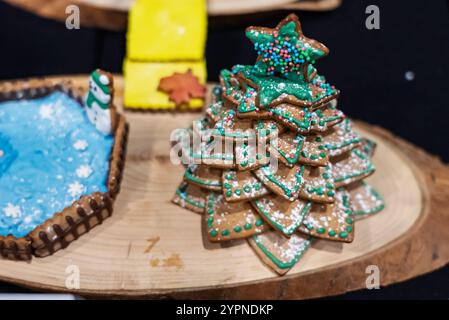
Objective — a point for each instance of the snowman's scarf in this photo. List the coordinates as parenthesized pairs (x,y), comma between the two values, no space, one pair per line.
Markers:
(91,98)
(96,79)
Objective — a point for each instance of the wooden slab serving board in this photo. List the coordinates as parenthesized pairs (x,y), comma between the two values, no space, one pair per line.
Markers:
(113,14)
(152,248)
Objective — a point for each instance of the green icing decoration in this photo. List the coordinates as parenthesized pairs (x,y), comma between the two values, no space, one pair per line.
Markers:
(288,231)
(210,210)
(225,76)
(378,197)
(272,87)
(280,264)
(284,50)
(220,129)
(244,106)
(272,178)
(205,154)
(210,221)
(343,144)
(369,168)
(306,123)
(189,176)
(297,151)
(183,195)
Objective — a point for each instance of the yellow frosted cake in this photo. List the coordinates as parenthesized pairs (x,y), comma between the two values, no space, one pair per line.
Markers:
(165,37)
(142,81)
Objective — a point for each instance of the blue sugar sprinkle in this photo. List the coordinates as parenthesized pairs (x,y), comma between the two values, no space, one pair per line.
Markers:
(50,156)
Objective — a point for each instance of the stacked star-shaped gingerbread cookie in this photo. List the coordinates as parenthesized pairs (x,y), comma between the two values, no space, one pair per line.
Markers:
(273,160)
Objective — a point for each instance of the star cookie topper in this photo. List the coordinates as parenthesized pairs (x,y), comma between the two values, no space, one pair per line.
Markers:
(285,50)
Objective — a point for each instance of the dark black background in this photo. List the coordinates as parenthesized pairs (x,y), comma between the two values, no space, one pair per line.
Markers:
(368,66)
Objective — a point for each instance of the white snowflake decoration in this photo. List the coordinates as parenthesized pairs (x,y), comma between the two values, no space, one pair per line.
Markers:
(76,189)
(80,145)
(46,111)
(84,171)
(28,219)
(12,211)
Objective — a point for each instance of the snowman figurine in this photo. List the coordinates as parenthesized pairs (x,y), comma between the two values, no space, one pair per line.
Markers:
(99,107)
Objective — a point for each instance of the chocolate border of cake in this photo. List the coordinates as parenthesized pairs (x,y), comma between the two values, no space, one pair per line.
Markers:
(84,214)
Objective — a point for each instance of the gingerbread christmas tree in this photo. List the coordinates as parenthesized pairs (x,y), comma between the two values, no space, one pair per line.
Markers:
(274,161)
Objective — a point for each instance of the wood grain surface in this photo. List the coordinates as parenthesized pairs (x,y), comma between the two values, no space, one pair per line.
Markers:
(151,248)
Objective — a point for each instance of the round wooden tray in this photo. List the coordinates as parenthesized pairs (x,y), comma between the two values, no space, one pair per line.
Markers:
(113,14)
(152,248)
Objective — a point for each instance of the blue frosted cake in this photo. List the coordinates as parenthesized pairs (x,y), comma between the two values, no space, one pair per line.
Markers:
(61,158)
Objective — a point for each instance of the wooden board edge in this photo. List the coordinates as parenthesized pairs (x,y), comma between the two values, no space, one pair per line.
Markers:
(117,20)
(292,5)
(324,5)
(90,16)
(420,250)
